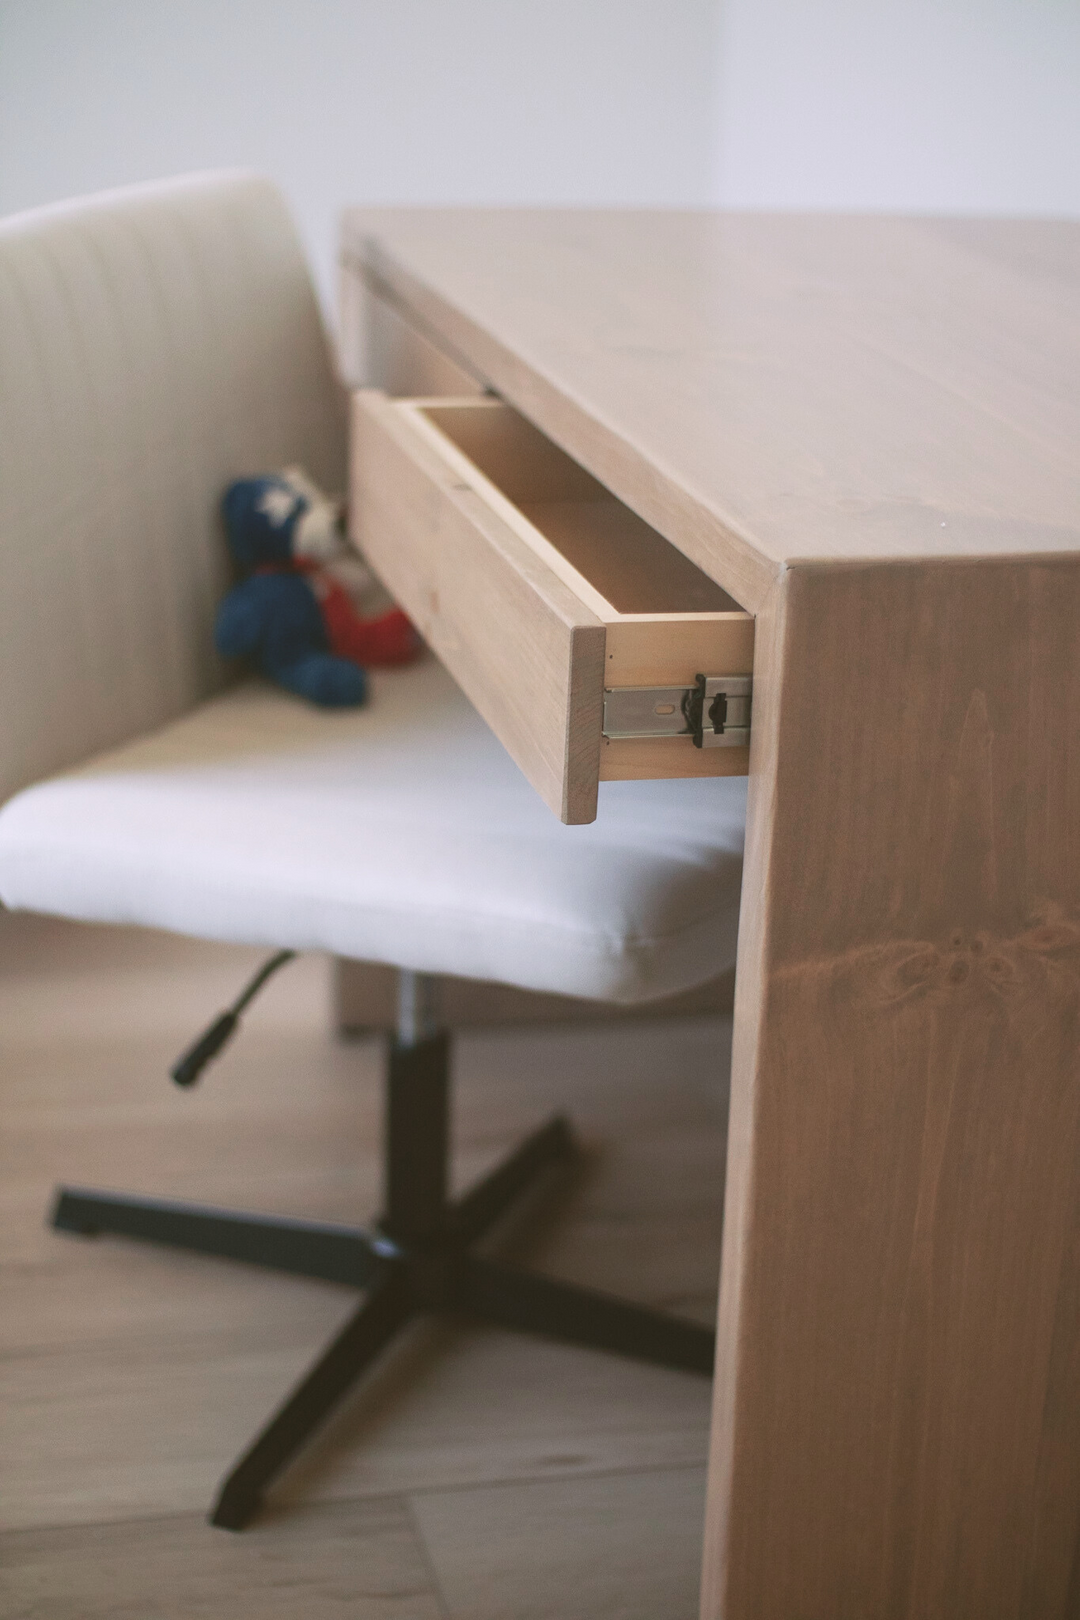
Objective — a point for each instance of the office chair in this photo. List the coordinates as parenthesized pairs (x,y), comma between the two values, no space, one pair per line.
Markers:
(159,342)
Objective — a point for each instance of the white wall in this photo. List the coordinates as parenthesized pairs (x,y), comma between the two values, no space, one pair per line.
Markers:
(397,101)
(961,105)
(955,105)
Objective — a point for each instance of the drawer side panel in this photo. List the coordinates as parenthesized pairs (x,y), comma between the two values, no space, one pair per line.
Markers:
(525,651)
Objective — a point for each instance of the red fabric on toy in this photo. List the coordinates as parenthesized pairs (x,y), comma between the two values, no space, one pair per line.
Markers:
(375,643)
(372,643)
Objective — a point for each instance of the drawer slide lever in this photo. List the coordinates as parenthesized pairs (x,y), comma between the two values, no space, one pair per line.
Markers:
(715,711)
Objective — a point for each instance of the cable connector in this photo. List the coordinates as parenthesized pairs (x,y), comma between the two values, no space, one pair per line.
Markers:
(187,1069)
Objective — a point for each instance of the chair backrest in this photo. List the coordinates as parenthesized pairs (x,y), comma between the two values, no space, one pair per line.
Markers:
(155,343)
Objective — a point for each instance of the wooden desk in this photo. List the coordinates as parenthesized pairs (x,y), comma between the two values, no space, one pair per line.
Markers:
(867,431)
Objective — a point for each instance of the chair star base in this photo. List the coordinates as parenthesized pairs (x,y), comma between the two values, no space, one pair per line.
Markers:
(419,1258)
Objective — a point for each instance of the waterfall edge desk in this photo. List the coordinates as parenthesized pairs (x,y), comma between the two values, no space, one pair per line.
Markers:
(865,433)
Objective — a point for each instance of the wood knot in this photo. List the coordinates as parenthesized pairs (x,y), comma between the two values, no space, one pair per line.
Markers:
(916,969)
(1051,938)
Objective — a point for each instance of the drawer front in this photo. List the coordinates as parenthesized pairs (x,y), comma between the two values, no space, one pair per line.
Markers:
(534,587)
(527,653)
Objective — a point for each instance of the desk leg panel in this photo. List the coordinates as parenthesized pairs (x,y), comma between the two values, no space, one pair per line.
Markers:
(897,1423)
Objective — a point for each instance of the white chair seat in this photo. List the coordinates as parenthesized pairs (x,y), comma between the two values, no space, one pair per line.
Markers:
(401,832)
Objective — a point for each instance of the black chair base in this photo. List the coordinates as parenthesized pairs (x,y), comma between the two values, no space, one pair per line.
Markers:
(418,1258)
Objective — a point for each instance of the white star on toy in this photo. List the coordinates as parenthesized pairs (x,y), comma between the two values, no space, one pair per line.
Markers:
(277,504)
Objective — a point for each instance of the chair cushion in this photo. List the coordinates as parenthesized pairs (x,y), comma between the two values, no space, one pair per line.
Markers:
(399,833)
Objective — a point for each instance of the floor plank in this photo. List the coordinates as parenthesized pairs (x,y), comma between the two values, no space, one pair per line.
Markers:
(129,1377)
(365,1560)
(626,1547)
(468,1405)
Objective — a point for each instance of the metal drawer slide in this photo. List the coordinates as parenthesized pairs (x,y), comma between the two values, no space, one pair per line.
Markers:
(715,711)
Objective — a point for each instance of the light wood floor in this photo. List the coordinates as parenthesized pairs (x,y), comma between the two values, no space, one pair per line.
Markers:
(478,1475)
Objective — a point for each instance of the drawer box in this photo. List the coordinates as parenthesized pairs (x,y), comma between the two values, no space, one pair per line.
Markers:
(537,589)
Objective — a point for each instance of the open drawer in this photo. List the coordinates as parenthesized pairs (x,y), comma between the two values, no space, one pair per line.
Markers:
(548,600)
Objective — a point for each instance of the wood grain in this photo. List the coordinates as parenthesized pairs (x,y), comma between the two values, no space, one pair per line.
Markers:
(629,563)
(645,650)
(865,430)
(535,672)
(652,759)
(895,1428)
(660,650)
(365,1558)
(127,1374)
(595,543)
(762,388)
(665,621)
(576,1549)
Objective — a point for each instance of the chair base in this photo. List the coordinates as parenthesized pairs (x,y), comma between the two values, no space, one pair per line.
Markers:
(419,1258)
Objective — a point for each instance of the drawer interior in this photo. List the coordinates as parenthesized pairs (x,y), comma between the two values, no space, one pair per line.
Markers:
(625,561)
(448,493)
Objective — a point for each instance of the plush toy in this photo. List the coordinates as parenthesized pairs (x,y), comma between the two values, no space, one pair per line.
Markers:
(293,614)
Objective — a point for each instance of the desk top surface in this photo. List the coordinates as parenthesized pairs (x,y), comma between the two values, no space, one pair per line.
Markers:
(773,389)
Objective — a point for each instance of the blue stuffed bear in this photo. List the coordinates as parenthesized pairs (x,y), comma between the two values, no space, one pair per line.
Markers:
(275,620)
(290,616)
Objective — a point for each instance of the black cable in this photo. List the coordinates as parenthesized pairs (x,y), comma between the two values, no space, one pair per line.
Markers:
(187,1069)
